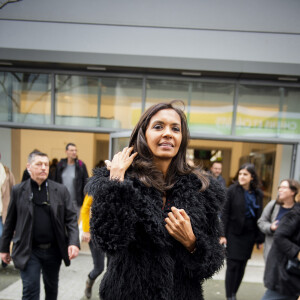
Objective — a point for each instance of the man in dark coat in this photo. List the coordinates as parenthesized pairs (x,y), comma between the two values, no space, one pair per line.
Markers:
(216,171)
(72,173)
(41,221)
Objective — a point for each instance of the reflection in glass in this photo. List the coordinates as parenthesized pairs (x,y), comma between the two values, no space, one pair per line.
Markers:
(289,113)
(122,100)
(211,108)
(6,99)
(101,102)
(208,106)
(160,90)
(268,111)
(25,97)
(118,144)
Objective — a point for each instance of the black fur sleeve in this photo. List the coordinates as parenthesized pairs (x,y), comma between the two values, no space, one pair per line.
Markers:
(112,216)
(205,218)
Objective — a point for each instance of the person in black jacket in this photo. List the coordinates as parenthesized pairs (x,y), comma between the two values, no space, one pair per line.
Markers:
(41,221)
(280,283)
(72,173)
(242,209)
(155,215)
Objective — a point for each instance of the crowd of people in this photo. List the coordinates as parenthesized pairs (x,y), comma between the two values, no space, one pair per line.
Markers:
(164,224)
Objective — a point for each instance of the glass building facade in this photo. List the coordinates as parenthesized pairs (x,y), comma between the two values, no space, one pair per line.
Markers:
(109,103)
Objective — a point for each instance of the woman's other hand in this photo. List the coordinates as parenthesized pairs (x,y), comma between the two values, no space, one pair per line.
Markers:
(120,163)
(86,237)
(180,228)
(223,241)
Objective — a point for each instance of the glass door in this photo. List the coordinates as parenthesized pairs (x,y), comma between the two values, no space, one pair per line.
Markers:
(118,141)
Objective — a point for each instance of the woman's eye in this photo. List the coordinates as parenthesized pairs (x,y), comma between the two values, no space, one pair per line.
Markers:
(177,129)
(157,126)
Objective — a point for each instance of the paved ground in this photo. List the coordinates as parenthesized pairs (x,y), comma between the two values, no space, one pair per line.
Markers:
(72,281)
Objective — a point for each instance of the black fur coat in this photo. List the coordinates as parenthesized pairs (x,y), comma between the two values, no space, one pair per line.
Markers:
(146,263)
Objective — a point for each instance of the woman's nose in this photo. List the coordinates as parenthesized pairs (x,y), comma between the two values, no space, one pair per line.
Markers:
(167,132)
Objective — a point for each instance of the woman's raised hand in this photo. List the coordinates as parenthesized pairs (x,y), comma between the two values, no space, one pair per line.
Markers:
(120,163)
(180,228)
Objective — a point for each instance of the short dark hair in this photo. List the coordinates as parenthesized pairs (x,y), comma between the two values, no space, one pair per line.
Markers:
(32,155)
(70,144)
(215,162)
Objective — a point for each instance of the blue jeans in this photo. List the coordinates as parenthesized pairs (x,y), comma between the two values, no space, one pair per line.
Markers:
(273,295)
(98,261)
(48,262)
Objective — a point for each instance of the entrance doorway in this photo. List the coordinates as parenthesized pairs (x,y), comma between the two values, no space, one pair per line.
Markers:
(273,162)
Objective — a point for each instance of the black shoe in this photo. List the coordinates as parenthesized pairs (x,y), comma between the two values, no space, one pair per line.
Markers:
(88,288)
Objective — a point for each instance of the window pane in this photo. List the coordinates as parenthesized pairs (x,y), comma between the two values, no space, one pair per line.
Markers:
(208,106)
(122,101)
(211,108)
(268,111)
(159,90)
(103,102)
(5,97)
(26,97)
(289,126)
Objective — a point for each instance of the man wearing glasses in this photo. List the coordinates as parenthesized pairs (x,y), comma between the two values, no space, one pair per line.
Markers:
(276,209)
(42,223)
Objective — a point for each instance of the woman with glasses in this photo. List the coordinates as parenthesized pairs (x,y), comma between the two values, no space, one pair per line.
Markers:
(275,210)
(281,282)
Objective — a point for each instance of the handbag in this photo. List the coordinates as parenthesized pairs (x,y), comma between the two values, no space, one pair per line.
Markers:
(293,266)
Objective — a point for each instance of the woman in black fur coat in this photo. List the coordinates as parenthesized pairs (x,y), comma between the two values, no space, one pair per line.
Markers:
(155,215)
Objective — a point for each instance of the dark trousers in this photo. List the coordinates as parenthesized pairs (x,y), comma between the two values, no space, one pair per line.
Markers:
(273,295)
(98,261)
(48,262)
(234,275)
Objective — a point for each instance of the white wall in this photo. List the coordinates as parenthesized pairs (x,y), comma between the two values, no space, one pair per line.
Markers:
(231,36)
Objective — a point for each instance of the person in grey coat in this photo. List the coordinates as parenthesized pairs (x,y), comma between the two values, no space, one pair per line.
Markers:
(282,284)
(275,210)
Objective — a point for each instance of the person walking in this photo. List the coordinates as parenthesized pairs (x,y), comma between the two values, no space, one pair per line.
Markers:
(155,215)
(7,180)
(242,208)
(41,221)
(282,283)
(216,171)
(72,173)
(275,210)
(97,254)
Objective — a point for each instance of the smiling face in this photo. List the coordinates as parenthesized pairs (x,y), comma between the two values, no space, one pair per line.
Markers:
(164,134)
(244,178)
(285,194)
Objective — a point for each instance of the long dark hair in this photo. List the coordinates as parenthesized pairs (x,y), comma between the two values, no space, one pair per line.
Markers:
(143,167)
(254,183)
